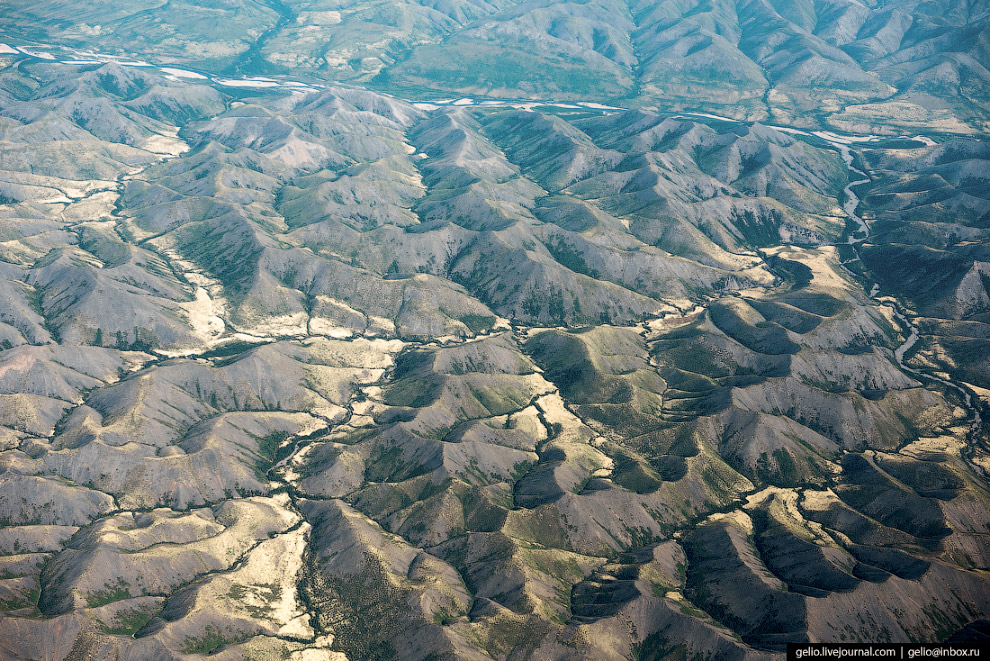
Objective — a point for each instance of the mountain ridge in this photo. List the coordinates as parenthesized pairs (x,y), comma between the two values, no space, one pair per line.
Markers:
(309,372)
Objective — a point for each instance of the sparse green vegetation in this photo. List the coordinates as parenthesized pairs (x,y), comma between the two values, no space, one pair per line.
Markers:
(211,640)
(111,593)
(128,622)
(272,449)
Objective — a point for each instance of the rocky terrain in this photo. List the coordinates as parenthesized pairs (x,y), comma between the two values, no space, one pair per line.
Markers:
(301,370)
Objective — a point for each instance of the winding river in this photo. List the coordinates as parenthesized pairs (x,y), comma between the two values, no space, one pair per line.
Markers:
(837,141)
(913,336)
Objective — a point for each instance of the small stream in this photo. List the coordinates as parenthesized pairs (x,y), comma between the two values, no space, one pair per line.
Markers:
(252,60)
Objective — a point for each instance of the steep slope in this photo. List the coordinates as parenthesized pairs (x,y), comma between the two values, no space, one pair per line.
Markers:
(317,373)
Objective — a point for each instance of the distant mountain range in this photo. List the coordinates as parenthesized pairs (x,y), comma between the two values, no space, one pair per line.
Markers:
(864,66)
(492,330)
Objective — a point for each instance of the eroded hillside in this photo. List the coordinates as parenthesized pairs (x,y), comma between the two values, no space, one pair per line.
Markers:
(320,373)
